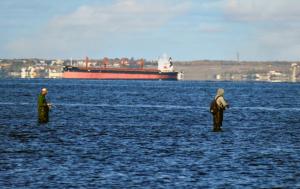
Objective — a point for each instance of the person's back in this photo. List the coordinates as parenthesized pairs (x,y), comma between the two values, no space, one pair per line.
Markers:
(43,107)
(222,105)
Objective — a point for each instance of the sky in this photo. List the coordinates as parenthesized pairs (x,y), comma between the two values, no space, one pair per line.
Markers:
(257,30)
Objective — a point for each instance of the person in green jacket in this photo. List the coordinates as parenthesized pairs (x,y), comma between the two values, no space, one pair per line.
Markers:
(43,107)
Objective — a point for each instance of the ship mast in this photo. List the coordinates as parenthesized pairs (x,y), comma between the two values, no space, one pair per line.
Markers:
(141,63)
(86,62)
(105,61)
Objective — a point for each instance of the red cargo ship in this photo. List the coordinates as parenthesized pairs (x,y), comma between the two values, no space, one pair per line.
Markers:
(164,71)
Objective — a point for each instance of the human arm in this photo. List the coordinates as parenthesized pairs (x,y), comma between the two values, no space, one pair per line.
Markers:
(222,103)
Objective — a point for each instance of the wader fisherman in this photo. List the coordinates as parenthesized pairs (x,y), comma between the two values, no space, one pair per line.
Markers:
(43,107)
(221,106)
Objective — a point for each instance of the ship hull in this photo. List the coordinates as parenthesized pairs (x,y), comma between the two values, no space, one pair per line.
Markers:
(119,74)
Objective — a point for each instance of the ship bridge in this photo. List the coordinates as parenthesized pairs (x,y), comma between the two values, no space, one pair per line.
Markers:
(165,64)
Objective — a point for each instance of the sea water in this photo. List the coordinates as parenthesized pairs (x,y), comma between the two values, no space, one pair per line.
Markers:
(149,134)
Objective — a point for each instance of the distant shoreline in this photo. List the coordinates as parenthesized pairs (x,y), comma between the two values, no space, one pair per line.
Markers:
(202,70)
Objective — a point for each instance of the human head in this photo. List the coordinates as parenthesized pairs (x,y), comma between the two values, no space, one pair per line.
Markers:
(44,91)
(220,92)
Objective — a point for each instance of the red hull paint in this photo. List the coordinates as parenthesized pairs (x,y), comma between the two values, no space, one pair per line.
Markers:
(127,76)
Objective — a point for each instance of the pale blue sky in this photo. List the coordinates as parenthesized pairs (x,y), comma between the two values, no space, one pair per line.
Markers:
(186,30)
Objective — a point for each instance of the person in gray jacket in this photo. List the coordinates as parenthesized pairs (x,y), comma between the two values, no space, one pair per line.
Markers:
(222,105)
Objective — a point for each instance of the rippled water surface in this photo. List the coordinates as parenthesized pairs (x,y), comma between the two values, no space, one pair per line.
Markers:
(149,134)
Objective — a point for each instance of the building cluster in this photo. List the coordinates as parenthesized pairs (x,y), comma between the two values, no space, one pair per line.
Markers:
(292,75)
(31,68)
